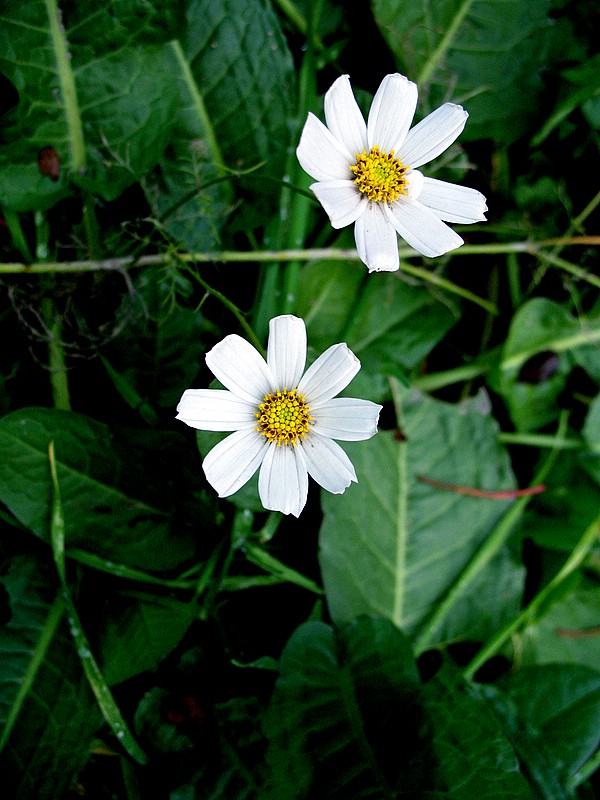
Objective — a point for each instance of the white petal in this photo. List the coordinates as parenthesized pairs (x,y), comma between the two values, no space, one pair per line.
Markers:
(343,116)
(391,112)
(453,203)
(328,464)
(215,410)
(329,374)
(286,351)
(283,480)
(346,418)
(321,154)
(341,200)
(240,368)
(376,240)
(232,462)
(433,135)
(414,179)
(422,229)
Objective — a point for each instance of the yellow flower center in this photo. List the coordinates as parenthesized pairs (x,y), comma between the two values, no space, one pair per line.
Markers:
(380,175)
(283,417)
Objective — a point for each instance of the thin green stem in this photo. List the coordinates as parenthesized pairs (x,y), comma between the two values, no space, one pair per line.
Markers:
(237,313)
(540,440)
(443,283)
(440,51)
(586,771)
(580,552)
(495,541)
(13,223)
(568,266)
(53,323)
(67,84)
(265,256)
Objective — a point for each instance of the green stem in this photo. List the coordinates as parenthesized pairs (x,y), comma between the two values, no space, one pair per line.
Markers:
(233,308)
(580,552)
(264,256)
(440,51)
(67,83)
(495,541)
(16,232)
(53,323)
(540,440)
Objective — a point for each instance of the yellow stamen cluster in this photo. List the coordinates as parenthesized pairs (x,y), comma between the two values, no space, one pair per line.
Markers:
(380,175)
(283,417)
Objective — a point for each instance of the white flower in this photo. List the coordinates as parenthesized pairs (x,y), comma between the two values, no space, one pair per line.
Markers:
(368,173)
(284,419)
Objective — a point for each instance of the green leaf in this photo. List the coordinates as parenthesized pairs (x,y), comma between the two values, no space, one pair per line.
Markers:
(109,508)
(48,714)
(541,331)
(192,210)
(90,90)
(552,714)
(390,325)
(343,719)
(393,546)
(581,84)
(568,631)
(350,718)
(240,60)
(140,632)
(474,757)
(490,52)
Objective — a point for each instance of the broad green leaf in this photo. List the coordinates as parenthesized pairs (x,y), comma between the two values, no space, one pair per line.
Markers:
(89,89)
(390,325)
(552,715)
(567,632)
(393,546)
(48,713)
(107,486)
(474,758)
(541,331)
(139,633)
(344,720)
(179,189)
(243,68)
(486,54)
(350,718)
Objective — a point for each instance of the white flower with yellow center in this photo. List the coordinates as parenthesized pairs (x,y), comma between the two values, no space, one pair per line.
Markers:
(368,174)
(284,419)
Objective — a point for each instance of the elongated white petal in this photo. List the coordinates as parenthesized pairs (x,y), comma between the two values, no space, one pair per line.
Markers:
(341,200)
(376,240)
(414,180)
(215,410)
(422,229)
(321,154)
(453,203)
(391,113)
(346,418)
(343,116)
(286,351)
(328,464)
(329,374)
(232,462)
(283,480)
(240,368)
(433,135)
